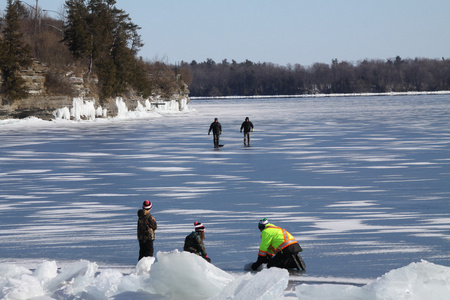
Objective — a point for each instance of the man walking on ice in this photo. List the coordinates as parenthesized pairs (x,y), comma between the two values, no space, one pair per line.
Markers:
(216,128)
(248,127)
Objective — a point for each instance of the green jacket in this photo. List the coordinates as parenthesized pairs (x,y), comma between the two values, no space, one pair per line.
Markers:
(274,239)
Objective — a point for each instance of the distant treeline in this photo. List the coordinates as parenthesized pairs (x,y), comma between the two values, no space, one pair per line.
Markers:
(367,76)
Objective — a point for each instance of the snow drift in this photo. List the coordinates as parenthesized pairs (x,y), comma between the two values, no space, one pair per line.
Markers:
(182,275)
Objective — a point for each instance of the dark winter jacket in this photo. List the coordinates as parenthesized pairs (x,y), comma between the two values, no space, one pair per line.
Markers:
(146,226)
(247,126)
(194,244)
(215,127)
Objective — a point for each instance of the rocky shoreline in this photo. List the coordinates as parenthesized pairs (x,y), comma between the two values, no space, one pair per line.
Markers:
(41,105)
(47,107)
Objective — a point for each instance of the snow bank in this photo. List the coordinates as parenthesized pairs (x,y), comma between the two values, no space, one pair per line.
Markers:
(266,285)
(416,281)
(181,275)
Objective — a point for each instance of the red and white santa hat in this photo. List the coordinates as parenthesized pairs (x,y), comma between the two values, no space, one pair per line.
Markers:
(147,205)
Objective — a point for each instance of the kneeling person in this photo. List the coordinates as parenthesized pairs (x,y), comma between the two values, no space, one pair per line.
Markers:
(194,241)
(277,241)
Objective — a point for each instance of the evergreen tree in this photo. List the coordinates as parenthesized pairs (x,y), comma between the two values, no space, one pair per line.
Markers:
(126,44)
(77,35)
(101,27)
(98,30)
(14,54)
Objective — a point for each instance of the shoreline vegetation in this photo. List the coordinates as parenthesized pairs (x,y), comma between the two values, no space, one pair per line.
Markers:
(248,78)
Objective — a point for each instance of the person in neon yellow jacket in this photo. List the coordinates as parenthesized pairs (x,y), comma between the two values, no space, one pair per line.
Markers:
(278,248)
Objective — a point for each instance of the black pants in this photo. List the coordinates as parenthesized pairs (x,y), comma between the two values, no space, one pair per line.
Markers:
(288,259)
(216,140)
(145,248)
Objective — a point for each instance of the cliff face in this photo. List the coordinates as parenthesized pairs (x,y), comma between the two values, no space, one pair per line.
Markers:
(34,77)
(45,107)
(42,105)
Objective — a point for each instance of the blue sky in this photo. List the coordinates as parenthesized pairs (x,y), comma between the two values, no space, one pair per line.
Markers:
(286,31)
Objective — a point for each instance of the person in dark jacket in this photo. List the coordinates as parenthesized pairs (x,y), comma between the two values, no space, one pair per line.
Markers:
(216,128)
(146,227)
(248,127)
(194,241)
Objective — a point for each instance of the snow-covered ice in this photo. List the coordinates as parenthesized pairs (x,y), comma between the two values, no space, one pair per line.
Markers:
(361,182)
(181,275)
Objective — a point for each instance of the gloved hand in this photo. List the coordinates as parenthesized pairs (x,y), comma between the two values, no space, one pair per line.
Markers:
(221,132)
(209,133)
(240,131)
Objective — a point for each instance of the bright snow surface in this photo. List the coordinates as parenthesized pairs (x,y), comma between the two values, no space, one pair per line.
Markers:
(182,275)
(361,182)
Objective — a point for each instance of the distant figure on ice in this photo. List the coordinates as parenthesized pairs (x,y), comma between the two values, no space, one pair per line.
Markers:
(248,127)
(277,241)
(216,128)
(146,227)
(194,241)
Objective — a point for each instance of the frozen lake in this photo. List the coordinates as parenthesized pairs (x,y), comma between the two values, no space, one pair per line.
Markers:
(361,182)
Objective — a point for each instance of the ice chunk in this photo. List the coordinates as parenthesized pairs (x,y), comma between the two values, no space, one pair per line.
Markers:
(73,278)
(265,285)
(422,280)
(18,283)
(144,265)
(186,276)
(80,108)
(183,275)
(46,271)
(332,292)
(416,281)
(106,284)
(122,108)
(62,113)
(10,270)
(140,280)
